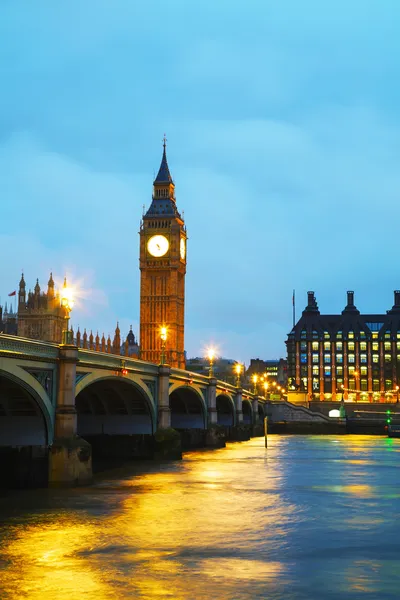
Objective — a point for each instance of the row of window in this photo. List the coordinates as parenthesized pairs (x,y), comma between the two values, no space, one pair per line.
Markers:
(352,385)
(350,346)
(351,358)
(350,335)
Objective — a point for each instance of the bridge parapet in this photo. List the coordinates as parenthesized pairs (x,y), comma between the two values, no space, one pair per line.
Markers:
(13,345)
(101,360)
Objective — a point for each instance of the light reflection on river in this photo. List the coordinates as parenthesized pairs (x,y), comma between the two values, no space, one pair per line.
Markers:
(308,518)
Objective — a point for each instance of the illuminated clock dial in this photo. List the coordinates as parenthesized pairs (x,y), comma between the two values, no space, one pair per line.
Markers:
(183,249)
(158,245)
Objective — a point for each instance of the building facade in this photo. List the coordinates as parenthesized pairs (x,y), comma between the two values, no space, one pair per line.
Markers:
(162,273)
(348,356)
(41,315)
(275,370)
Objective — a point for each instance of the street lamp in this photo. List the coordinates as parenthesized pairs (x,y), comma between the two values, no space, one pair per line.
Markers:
(238,371)
(255,379)
(211,357)
(397,393)
(266,386)
(163,336)
(67,302)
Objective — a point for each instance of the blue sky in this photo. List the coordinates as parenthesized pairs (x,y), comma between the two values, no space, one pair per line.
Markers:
(283,130)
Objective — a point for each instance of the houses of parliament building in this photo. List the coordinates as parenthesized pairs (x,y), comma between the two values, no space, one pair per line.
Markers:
(41,316)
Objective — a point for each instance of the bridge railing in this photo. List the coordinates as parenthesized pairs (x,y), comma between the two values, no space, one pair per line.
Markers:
(13,345)
(114,361)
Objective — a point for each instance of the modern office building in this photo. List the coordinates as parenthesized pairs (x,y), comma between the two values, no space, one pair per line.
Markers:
(348,356)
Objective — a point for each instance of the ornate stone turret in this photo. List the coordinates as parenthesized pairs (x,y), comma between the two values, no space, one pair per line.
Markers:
(21,293)
(91,346)
(78,338)
(85,339)
(109,344)
(103,343)
(97,342)
(117,340)
(50,288)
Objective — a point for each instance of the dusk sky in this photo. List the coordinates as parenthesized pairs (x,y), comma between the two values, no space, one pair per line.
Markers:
(283,122)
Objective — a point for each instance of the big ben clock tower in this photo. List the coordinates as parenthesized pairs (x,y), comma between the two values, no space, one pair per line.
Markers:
(163,269)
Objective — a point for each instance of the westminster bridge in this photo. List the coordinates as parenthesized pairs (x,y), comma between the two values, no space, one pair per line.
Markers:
(59,404)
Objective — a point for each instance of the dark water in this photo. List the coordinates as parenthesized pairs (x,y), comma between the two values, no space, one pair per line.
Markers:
(309,518)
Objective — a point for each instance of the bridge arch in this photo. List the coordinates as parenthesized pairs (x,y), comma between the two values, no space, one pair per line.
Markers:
(225,410)
(188,408)
(26,413)
(114,405)
(247,412)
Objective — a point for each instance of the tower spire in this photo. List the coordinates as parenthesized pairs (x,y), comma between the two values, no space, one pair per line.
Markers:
(163,175)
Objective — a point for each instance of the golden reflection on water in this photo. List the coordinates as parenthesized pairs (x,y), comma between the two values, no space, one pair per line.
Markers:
(237,523)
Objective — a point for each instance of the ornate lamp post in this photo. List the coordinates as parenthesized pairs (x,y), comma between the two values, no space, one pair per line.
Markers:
(163,336)
(397,393)
(238,371)
(211,358)
(67,302)
(266,386)
(255,380)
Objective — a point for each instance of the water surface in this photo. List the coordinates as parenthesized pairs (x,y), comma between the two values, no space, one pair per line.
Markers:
(311,517)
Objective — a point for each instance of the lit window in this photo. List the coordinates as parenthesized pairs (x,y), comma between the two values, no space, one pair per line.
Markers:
(315,370)
(339,335)
(363,346)
(303,346)
(305,382)
(362,335)
(327,371)
(352,384)
(363,358)
(388,357)
(375,385)
(327,358)
(375,346)
(315,345)
(387,334)
(388,346)
(351,371)
(339,383)
(351,358)
(303,358)
(398,345)
(398,335)
(339,346)
(350,335)
(315,334)
(375,358)
(326,335)
(303,334)
(363,370)
(375,335)
(327,346)
(350,346)
(364,385)
(315,384)
(315,358)
(339,370)
(339,358)
(388,384)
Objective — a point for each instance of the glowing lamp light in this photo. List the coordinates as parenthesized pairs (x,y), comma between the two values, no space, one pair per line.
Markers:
(334,413)
(124,372)
(211,356)
(163,333)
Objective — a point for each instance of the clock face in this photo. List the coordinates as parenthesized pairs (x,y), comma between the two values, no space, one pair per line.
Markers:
(158,245)
(183,249)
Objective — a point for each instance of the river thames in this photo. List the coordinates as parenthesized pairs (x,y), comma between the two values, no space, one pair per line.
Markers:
(308,518)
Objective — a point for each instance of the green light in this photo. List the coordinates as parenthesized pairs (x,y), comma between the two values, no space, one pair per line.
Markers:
(388,412)
(388,420)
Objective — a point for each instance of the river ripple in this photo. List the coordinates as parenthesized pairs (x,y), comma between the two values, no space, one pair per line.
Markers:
(309,518)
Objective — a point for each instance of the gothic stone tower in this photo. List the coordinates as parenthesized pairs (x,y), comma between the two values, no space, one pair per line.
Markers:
(163,269)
